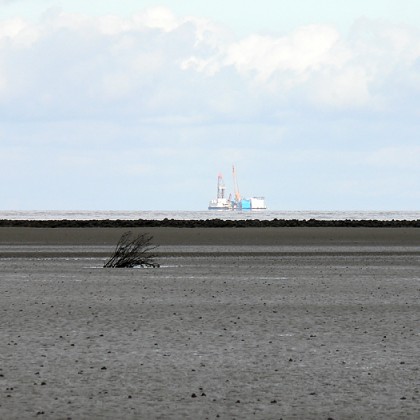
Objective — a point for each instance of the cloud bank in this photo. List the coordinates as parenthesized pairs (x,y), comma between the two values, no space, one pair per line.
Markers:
(70,63)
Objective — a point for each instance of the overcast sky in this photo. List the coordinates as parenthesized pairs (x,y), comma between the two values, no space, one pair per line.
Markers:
(138,105)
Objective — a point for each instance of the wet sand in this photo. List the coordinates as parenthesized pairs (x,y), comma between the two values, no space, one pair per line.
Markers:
(262,323)
(255,236)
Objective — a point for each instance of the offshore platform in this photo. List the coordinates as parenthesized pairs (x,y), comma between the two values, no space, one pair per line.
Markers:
(237,202)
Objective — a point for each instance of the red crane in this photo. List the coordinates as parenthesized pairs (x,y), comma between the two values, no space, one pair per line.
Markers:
(235,185)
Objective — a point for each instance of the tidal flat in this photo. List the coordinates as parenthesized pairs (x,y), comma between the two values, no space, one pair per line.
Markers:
(236,323)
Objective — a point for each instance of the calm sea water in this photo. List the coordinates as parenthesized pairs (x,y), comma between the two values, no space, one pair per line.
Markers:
(204,215)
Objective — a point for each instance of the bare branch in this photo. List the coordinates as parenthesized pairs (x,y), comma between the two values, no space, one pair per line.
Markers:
(133,251)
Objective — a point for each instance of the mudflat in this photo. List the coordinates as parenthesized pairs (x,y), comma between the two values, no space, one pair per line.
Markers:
(255,236)
(262,323)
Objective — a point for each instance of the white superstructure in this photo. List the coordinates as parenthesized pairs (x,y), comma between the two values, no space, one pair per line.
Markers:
(258,203)
(220,203)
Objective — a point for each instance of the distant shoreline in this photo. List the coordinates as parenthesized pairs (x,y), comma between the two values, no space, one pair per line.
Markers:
(209,223)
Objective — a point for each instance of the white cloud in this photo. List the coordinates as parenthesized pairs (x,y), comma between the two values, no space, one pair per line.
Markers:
(113,25)
(158,65)
(157,18)
(321,67)
(348,87)
(18,32)
(304,50)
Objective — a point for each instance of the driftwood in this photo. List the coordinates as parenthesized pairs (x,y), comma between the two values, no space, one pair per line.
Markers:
(133,251)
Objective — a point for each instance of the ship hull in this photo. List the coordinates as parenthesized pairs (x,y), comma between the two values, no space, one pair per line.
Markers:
(220,204)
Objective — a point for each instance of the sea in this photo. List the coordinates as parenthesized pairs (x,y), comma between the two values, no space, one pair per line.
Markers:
(205,215)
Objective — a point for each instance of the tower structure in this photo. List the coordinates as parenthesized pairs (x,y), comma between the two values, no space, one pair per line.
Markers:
(220,187)
(221,202)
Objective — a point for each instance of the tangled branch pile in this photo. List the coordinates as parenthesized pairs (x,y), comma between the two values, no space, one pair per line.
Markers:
(133,251)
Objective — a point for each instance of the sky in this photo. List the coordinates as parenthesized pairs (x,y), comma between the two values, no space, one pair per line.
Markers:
(138,105)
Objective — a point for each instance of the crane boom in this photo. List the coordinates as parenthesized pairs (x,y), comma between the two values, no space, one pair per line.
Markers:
(235,185)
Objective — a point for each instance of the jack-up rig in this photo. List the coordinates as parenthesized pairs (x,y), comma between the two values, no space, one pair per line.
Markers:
(238,202)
